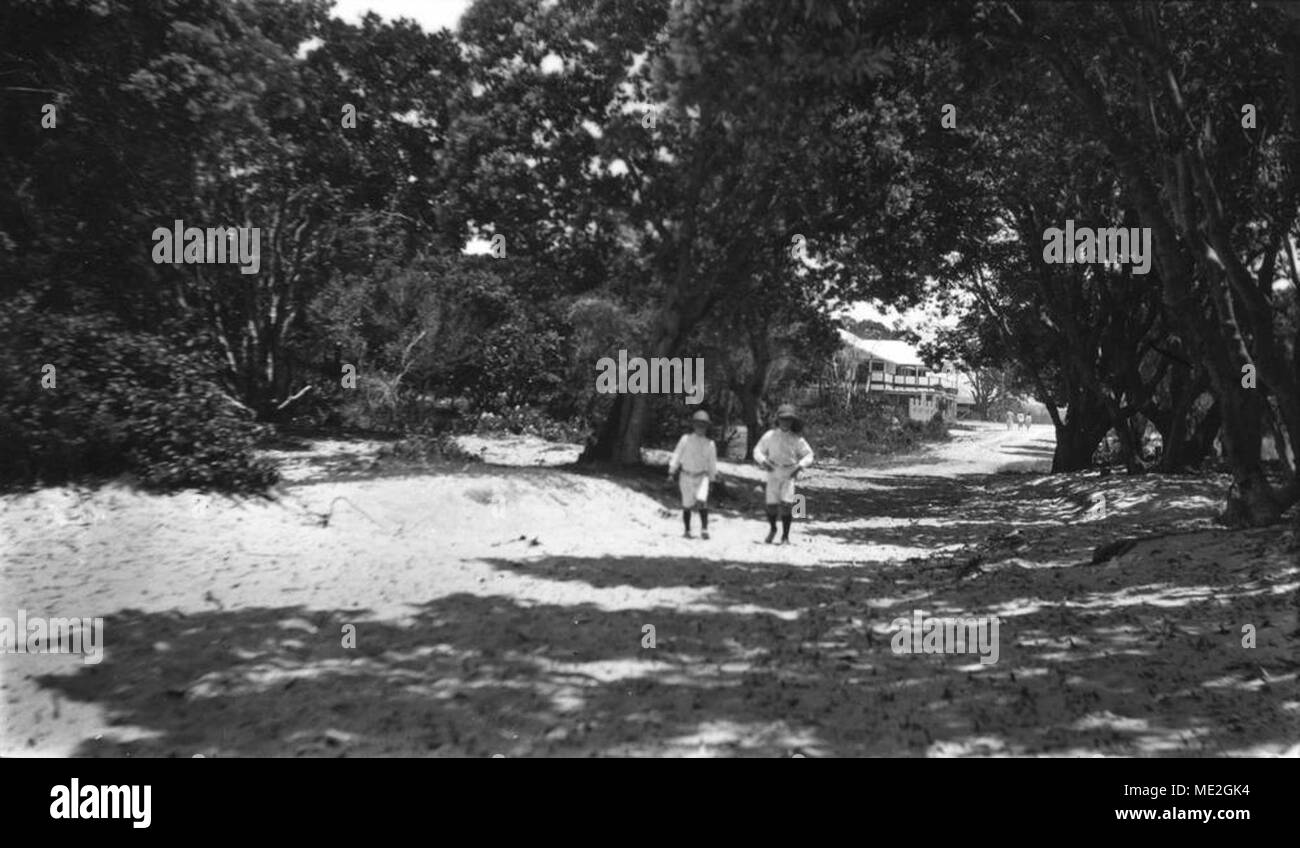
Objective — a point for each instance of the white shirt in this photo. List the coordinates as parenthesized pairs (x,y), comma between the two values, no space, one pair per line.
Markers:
(695,455)
(782,449)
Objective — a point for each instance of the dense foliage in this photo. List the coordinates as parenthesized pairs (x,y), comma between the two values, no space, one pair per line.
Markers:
(674,179)
(119,402)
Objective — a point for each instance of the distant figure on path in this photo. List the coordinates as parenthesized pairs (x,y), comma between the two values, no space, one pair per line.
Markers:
(696,457)
(1010,417)
(782,453)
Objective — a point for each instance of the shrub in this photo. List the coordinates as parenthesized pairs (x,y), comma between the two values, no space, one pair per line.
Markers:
(869,426)
(122,403)
(439,327)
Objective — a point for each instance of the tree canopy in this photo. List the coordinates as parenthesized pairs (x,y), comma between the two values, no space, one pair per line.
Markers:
(679,179)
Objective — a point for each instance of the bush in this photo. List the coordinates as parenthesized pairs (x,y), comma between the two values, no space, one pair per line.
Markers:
(439,327)
(869,427)
(122,403)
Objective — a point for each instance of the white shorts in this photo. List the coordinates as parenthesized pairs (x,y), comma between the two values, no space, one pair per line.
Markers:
(695,488)
(780,486)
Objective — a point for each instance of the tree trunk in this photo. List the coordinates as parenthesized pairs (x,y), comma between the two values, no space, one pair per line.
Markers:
(1076,439)
(752,393)
(620,437)
(1251,500)
(601,449)
(749,413)
(624,431)
(1130,449)
(627,450)
(1174,422)
(1200,441)
(1280,441)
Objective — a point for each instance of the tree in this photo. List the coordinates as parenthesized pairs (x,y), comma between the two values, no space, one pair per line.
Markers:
(780,336)
(1221,203)
(758,151)
(204,112)
(988,386)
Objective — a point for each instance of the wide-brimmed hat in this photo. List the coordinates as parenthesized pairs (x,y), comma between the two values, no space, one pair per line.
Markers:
(701,416)
(786,410)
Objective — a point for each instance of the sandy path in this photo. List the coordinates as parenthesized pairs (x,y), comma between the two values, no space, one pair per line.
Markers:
(503,610)
(979,448)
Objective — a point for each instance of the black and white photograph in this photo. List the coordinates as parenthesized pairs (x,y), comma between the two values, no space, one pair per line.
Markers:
(650,379)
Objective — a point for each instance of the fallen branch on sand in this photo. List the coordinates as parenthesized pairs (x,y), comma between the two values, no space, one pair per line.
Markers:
(1119,547)
(322,519)
(999,547)
(326,516)
(1110,550)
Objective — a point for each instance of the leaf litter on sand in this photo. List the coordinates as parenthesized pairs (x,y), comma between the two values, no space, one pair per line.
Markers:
(467,642)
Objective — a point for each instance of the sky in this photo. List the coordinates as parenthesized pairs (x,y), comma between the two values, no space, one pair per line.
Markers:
(431,15)
(925,320)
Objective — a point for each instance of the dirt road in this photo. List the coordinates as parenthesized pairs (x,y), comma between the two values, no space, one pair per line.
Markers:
(510,610)
(979,448)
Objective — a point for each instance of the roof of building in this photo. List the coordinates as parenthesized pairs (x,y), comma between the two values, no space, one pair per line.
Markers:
(886,350)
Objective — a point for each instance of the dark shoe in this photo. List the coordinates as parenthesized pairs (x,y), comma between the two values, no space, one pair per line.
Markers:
(770,536)
(687,535)
(785,540)
(704,534)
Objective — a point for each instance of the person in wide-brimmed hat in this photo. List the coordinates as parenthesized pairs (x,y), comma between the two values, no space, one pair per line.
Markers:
(782,453)
(696,457)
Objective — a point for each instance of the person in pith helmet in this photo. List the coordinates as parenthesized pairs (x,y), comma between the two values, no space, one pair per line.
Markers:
(782,453)
(696,458)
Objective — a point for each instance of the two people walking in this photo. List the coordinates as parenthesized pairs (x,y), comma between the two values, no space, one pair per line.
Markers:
(782,453)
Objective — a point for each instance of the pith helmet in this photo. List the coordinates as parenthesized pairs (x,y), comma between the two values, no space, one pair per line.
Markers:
(786,410)
(701,415)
